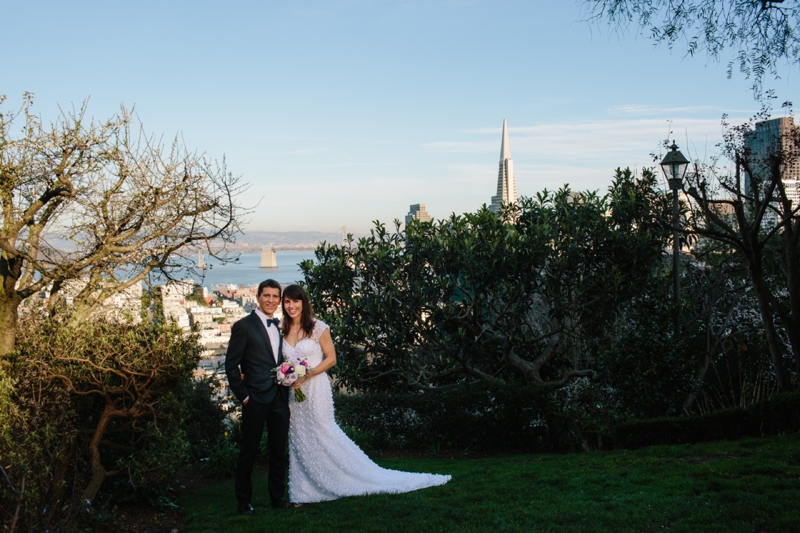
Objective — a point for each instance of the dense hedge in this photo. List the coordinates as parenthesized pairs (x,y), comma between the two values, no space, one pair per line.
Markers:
(519,418)
(481,417)
(780,414)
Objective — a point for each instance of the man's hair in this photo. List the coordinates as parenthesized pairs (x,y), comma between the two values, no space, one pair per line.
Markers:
(271,283)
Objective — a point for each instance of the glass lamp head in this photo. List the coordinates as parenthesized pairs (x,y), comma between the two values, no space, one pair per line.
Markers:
(674,166)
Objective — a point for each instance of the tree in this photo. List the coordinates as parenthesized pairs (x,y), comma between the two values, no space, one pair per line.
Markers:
(761,33)
(101,205)
(522,297)
(93,401)
(749,209)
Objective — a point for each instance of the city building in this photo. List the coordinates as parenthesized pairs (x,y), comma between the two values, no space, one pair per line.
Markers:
(417,212)
(776,137)
(506,186)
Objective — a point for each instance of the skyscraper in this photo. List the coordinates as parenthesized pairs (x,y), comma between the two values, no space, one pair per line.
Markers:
(771,138)
(506,186)
(418,212)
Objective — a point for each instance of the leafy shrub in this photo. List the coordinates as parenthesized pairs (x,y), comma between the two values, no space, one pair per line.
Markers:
(645,367)
(42,467)
(204,420)
(221,461)
(780,414)
(94,412)
(480,417)
(363,439)
(263,446)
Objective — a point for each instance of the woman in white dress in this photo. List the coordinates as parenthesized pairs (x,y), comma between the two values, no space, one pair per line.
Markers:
(324,464)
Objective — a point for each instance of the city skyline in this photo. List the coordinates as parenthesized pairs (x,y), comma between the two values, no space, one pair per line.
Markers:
(771,137)
(340,113)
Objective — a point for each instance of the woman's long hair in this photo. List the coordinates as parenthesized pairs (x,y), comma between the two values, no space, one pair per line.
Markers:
(296,292)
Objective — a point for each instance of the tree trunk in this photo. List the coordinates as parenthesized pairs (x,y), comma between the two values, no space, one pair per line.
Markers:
(9,303)
(793,284)
(702,363)
(763,296)
(99,473)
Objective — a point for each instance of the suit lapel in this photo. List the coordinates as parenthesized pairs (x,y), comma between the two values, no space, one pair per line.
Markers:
(261,327)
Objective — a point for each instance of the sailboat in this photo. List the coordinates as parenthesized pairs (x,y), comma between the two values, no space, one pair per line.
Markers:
(201,260)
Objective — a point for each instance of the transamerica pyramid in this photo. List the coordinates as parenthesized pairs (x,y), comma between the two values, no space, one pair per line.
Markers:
(506,186)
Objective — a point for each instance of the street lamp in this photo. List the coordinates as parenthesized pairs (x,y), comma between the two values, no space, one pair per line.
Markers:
(674,166)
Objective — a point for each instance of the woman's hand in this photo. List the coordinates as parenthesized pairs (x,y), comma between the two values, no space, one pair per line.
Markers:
(299,382)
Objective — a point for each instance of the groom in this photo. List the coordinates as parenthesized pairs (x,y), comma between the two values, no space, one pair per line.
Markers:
(255,350)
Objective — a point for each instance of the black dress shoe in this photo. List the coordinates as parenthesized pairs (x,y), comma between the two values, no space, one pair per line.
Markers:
(246,509)
(281,504)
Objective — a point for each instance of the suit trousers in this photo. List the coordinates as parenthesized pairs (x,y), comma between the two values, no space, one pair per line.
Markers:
(275,415)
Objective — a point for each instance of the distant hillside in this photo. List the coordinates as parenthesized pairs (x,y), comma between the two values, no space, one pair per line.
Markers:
(255,240)
(252,240)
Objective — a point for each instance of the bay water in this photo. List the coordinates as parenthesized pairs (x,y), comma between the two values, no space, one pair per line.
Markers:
(247,271)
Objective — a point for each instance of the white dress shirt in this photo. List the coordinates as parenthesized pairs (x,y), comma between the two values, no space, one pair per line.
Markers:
(272,331)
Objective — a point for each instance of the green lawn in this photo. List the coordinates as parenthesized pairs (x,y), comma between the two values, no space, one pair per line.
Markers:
(748,485)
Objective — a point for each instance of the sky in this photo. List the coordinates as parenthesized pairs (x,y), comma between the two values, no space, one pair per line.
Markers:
(343,112)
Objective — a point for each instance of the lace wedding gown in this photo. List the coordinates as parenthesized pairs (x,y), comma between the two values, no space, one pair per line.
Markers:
(324,464)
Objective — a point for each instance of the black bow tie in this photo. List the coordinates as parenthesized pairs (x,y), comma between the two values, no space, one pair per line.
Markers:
(272,321)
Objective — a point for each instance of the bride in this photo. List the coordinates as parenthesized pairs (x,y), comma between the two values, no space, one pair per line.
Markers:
(324,464)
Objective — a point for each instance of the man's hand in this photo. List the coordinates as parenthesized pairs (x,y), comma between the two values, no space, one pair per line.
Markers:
(246,400)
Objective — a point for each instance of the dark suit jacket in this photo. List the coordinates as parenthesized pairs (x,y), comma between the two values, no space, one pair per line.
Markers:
(250,349)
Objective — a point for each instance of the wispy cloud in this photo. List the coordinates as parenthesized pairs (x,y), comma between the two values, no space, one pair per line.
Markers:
(650,110)
(598,141)
(462,147)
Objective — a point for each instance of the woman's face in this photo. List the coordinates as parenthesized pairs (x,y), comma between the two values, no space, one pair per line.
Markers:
(293,308)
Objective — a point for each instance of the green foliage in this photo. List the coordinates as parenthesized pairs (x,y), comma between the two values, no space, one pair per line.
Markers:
(363,438)
(97,405)
(204,419)
(482,417)
(197,296)
(263,446)
(38,448)
(778,415)
(520,298)
(221,461)
(646,368)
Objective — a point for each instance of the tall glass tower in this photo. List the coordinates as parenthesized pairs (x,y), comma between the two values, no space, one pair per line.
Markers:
(506,186)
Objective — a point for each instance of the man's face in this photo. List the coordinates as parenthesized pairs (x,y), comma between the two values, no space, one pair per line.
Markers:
(269,300)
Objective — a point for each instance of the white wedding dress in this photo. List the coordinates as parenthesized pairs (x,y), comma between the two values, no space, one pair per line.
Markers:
(324,464)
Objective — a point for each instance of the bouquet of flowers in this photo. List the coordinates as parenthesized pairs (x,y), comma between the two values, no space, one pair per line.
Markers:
(289,371)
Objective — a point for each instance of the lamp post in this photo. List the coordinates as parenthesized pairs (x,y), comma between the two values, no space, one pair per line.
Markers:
(674,166)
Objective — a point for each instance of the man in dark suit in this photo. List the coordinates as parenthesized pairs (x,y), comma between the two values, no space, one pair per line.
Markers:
(255,351)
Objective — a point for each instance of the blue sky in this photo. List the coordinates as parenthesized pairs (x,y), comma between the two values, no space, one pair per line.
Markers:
(338,113)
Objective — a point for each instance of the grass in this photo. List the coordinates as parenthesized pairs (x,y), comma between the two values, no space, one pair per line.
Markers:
(742,486)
